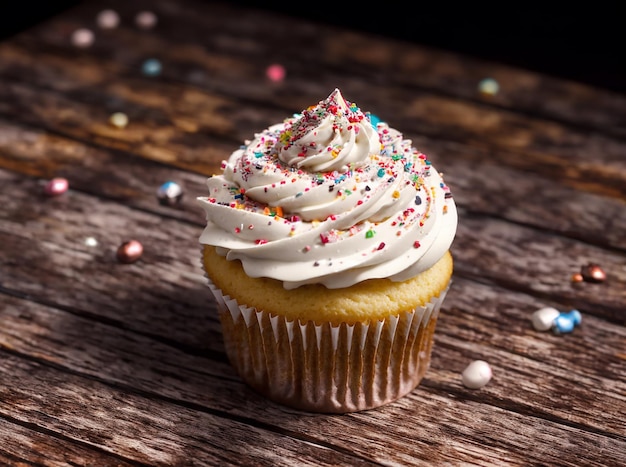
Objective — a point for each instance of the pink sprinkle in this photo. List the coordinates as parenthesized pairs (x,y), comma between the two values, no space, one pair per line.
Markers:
(275,72)
(146,20)
(56,186)
(82,38)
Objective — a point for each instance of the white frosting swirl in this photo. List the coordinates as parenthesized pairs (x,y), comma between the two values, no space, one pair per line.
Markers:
(329,197)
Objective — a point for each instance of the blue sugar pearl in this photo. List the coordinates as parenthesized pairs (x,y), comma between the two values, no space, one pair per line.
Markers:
(169,193)
(575,316)
(562,324)
(151,67)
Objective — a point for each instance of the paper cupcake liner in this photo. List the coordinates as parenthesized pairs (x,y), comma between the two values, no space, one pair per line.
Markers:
(325,368)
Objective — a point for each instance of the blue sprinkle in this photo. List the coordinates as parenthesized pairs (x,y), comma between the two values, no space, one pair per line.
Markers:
(574,315)
(374,119)
(151,67)
(566,322)
(562,324)
(418,200)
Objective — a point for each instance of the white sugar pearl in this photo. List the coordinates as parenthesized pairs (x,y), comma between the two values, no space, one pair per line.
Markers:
(82,38)
(146,19)
(543,319)
(477,374)
(108,19)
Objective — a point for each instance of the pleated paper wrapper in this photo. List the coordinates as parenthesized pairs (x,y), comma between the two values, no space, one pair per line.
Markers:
(325,368)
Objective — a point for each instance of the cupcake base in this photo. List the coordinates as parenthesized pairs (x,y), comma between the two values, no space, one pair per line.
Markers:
(319,367)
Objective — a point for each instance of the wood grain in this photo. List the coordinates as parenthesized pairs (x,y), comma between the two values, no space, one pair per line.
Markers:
(103,363)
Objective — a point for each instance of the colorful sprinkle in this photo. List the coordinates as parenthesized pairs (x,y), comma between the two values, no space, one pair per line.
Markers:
(565,322)
(374,119)
(543,319)
(146,20)
(170,193)
(275,72)
(118,120)
(592,273)
(488,87)
(57,186)
(151,67)
(82,38)
(477,374)
(108,19)
(129,252)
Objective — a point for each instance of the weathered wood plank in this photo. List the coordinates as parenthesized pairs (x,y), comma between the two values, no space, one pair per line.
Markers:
(110,364)
(534,144)
(146,430)
(26,446)
(471,328)
(172,434)
(334,50)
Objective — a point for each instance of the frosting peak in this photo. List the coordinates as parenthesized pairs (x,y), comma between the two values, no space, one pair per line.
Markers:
(329,197)
(331,135)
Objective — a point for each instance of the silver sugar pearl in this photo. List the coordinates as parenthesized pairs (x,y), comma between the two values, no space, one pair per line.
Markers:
(170,193)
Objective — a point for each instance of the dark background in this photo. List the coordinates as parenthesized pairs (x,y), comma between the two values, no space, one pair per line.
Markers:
(585,43)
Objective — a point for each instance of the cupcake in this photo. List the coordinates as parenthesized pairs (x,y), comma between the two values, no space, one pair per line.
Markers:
(326,248)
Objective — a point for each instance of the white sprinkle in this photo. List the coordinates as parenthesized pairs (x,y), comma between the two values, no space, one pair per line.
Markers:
(108,19)
(146,20)
(82,38)
(543,318)
(477,374)
(90,241)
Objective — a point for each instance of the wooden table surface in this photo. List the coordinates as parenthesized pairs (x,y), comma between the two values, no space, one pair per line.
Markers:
(111,364)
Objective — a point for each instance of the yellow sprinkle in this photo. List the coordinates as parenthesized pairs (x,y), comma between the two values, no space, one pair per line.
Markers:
(396,194)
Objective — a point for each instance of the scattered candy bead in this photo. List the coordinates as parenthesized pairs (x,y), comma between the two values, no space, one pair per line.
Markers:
(129,252)
(275,72)
(57,186)
(476,374)
(146,20)
(119,120)
(577,277)
(565,322)
(91,241)
(559,322)
(151,67)
(592,273)
(108,19)
(169,193)
(489,86)
(82,38)
(543,319)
